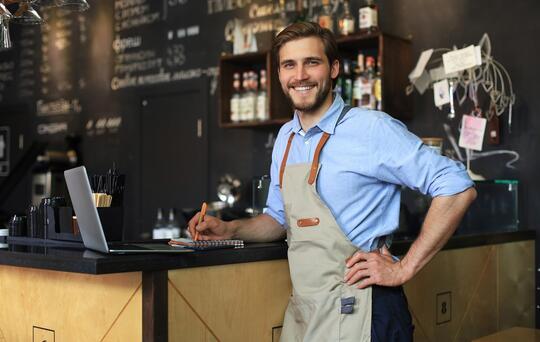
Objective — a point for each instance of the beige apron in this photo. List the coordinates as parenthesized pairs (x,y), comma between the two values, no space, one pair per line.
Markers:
(323,307)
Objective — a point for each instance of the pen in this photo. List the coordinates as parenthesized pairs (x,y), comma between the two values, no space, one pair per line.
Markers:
(201,218)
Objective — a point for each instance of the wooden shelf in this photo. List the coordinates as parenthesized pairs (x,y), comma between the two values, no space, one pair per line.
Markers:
(278,106)
(394,56)
(248,124)
(395,59)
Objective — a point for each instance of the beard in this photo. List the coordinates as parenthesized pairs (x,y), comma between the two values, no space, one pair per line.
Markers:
(309,106)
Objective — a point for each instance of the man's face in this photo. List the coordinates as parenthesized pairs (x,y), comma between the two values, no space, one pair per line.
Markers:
(305,73)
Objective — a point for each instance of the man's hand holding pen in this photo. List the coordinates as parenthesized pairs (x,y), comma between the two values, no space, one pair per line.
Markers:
(205,227)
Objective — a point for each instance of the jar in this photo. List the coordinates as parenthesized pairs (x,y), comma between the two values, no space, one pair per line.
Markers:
(434,143)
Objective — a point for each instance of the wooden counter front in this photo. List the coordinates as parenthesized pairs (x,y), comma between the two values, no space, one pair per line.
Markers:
(239,302)
(243,302)
(484,289)
(69,306)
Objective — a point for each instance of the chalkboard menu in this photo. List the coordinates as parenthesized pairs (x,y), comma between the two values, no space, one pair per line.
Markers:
(88,74)
(78,69)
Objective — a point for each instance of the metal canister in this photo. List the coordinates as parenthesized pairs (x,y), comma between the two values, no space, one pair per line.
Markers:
(32,224)
(17,225)
(43,221)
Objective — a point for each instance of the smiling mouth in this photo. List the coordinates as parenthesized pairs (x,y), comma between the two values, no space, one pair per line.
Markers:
(302,88)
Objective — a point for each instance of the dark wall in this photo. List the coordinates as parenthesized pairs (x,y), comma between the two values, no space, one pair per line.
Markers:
(80,75)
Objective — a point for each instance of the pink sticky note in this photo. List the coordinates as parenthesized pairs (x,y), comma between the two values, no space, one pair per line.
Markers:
(472,132)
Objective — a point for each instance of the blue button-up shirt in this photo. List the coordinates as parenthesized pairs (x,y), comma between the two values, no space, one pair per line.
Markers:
(368,157)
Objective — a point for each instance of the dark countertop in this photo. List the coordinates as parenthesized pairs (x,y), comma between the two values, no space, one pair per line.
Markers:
(400,247)
(79,260)
(76,259)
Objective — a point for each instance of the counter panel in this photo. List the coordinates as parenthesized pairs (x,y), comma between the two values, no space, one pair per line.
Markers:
(70,306)
(242,302)
(466,293)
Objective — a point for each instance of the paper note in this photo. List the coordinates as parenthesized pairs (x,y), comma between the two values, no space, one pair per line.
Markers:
(472,132)
(438,74)
(422,82)
(441,93)
(420,65)
(462,59)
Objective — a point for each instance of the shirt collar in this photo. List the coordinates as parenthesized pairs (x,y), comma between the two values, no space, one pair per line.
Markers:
(329,120)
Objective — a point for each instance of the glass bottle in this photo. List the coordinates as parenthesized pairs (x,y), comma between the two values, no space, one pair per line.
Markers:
(235,98)
(347,83)
(251,96)
(359,79)
(262,98)
(377,87)
(346,20)
(159,230)
(244,105)
(368,95)
(325,17)
(172,225)
(368,17)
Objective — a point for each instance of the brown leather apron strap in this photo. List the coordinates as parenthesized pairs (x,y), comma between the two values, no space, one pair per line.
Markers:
(315,163)
(284,160)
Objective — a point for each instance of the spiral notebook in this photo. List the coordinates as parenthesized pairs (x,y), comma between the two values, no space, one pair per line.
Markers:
(207,244)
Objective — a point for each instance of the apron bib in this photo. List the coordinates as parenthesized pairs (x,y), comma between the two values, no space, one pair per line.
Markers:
(322,307)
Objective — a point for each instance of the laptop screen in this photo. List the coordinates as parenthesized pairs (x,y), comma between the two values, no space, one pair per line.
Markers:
(85,209)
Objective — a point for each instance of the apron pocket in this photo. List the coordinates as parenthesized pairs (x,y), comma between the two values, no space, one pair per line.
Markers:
(309,319)
(355,318)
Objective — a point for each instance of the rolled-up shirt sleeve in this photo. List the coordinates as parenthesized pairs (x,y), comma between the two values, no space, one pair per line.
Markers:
(401,158)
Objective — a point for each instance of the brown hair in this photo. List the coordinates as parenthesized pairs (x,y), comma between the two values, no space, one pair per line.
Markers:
(306,29)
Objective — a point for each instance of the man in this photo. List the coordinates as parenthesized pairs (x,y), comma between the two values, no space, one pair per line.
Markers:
(335,179)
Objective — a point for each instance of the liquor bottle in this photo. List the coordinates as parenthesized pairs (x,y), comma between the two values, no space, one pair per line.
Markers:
(244,105)
(368,17)
(338,88)
(325,16)
(159,231)
(377,87)
(368,95)
(262,98)
(235,98)
(347,83)
(359,79)
(251,96)
(346,20)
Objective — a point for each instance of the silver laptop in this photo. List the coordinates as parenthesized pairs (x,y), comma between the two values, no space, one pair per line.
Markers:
(90,223)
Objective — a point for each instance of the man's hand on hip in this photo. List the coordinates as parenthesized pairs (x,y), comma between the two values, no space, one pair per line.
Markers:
(374,268)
